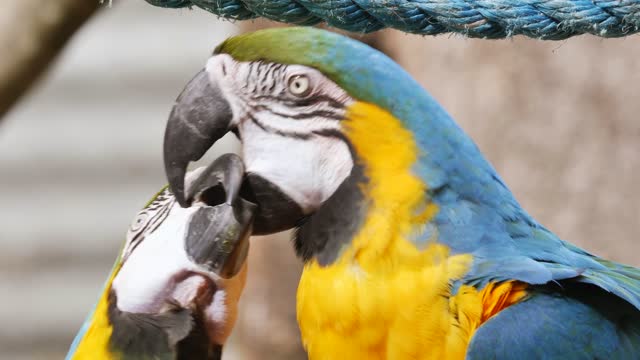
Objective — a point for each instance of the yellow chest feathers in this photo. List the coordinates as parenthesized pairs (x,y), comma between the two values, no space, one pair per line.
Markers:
(347,312)
(384,298)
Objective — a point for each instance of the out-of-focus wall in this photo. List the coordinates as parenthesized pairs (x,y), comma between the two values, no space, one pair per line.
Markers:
(82,153)
(79,156)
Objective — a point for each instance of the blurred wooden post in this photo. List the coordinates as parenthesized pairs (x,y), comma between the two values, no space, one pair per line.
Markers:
(266,327)
(32,33)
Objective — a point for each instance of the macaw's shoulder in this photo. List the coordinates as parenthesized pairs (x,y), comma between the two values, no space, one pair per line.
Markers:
(578,321)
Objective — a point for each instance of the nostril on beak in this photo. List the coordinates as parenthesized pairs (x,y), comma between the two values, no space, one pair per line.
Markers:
(213,196)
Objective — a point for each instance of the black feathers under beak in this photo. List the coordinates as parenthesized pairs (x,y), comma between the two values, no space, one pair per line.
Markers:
(200,117)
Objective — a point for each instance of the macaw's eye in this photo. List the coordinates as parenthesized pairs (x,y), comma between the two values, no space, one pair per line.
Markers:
(299,85)
(139,221)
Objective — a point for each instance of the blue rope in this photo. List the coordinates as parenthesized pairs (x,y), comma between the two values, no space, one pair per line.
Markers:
(490,19)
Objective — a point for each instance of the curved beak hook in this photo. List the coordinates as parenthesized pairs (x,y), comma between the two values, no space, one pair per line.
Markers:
(199,118)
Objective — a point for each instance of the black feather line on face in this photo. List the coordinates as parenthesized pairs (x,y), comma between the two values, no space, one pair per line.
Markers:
(325,114)
(158,210)
(271,130)
(152,225)
(311,100)
(329,133)
(315,99)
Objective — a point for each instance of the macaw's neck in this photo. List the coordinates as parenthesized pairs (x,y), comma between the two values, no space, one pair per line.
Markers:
(397,193)
(379,203)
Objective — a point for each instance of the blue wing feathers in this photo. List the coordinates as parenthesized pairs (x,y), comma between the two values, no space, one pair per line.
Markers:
(561,326)
(507,244)
(615,282)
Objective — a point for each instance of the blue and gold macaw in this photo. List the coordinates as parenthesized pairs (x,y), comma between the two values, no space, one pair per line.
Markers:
(414,248)
(174,290)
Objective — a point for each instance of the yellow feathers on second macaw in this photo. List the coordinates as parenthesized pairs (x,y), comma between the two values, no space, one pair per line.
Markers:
(413,246)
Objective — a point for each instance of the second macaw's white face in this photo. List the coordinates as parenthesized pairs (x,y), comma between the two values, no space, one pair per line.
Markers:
(288,118)
(176,258)
(157,274)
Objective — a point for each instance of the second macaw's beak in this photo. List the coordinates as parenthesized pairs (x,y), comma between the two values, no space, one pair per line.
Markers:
(201,116)
(217,235)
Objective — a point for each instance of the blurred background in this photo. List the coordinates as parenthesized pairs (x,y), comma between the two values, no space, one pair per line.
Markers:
(80,153)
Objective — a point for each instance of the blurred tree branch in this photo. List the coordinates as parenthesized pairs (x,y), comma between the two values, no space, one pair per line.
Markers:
(32,33)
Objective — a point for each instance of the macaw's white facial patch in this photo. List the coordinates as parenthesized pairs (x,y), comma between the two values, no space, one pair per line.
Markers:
(308,171)
(288,118)
(157,274)
(158,265)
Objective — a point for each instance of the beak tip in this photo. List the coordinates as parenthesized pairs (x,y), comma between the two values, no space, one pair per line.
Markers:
(175,176)
(180,198)
(182,202)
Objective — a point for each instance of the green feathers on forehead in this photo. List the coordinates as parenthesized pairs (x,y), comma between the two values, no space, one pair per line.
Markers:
(294,45)
(363,72)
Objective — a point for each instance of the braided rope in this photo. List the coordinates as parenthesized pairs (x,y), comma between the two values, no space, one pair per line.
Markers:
(490,19)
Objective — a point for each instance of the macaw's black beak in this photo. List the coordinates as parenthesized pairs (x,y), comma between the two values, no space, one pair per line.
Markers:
(200,117)
(217,235)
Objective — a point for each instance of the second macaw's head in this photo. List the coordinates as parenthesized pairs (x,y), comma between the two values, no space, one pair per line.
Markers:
(317,115)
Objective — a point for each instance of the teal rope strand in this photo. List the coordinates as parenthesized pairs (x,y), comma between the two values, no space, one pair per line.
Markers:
(490,19)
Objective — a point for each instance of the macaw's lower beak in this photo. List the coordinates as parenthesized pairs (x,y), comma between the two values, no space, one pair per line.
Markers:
(217,235)
(201,116)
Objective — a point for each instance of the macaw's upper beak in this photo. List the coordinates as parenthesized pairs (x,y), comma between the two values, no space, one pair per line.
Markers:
(200,117)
